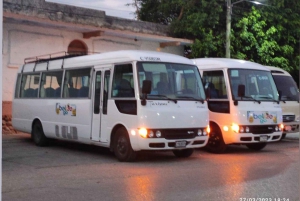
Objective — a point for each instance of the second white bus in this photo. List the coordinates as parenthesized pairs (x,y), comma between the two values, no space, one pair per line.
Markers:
(289,100)
(243,103)
(128,101)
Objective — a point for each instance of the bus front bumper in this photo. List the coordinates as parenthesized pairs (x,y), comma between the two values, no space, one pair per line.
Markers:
(246,138)
(138,143)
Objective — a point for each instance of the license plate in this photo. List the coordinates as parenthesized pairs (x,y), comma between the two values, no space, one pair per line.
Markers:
(263,138)
(179,144)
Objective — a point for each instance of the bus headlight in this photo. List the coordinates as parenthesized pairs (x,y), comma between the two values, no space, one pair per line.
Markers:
(199,132)
(158,134)
(281,127)
(151,134)
(242,129)
(235,127)
(208,129)
(143,132)
(247,129)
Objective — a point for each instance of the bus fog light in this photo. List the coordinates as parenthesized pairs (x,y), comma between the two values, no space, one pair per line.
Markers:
(151,134)
(247,129)
(158,134)
(199,132)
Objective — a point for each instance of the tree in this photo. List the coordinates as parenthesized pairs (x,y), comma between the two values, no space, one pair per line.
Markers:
(267,34)
(270,35)
(192,19)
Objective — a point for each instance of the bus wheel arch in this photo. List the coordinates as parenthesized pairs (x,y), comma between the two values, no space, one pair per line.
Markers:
(37,133)
(256,146)
(183,153)
(113,133)
(121,146)
(215,142)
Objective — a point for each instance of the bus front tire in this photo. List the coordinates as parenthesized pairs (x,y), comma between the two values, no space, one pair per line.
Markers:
(38,135)
(215,142)
(122,147)
(183,153)
(256,146)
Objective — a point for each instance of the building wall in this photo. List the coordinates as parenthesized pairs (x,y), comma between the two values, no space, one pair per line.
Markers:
(23,41)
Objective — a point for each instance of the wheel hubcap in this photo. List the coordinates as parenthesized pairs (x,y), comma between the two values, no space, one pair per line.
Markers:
(121,145)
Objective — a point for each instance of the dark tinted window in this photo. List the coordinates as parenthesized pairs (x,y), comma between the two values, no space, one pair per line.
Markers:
(288,87)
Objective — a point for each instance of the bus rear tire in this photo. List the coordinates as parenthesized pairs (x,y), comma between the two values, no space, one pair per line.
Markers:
(38,135)
(215,142)
(256,146)
(183,153)
(122,147)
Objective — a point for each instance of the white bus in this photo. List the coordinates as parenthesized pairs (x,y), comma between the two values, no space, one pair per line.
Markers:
(289,100)
(243,103)
(127,101)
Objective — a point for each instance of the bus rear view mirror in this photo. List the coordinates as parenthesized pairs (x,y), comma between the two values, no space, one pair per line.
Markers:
(279,95)
(207,93)
(146,89)
(241,90)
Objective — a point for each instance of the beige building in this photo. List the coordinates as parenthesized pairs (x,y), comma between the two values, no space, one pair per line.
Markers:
(35,27)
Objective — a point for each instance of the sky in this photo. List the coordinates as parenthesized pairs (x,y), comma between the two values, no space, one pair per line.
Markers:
(116,8)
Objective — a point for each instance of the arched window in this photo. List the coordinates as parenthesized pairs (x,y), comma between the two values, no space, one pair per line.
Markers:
(77,47)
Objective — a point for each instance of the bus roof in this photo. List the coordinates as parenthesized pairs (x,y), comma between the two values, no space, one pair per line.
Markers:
(203,63)
(278,71)
(104,58)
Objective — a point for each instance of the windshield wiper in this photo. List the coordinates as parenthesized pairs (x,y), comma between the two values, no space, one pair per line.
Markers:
(251,98)
(270,98)
(190,97)
(174,100)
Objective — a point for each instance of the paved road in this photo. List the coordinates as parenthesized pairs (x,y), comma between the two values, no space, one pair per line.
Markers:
(68,171)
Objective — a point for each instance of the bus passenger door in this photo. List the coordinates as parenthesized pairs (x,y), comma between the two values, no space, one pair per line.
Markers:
(100,96)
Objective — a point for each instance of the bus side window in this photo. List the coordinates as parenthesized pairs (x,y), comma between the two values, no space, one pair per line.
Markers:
(17,87)
(50,84)
(123,81)
(29,85)
(106,90)
(214,80)
(77,83)
(97,93)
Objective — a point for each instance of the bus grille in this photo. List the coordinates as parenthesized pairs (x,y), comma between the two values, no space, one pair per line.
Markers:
(288,118)
(171,134)
(265,129)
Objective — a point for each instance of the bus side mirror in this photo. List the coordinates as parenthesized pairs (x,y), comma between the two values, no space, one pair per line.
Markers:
(279,95)
(241,90)
(146,89)
(207,93)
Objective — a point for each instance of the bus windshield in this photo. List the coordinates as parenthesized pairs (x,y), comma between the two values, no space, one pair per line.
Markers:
(259,85)
(288,87)
(171,81)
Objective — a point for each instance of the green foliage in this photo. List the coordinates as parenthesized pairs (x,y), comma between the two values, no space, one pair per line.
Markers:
(269,35)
